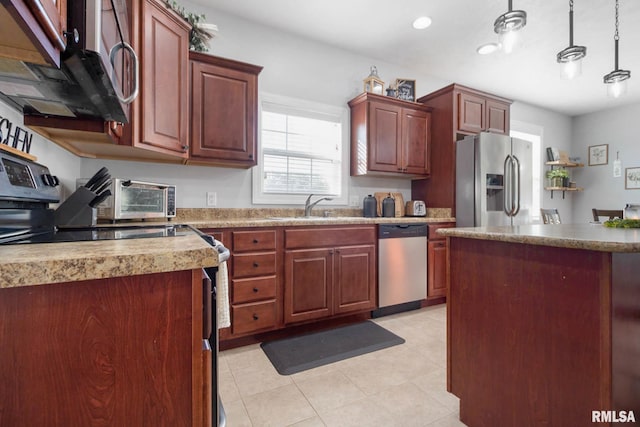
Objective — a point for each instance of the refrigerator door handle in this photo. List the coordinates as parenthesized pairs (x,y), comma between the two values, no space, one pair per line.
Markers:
(516,186)
(506,173)
(508,191)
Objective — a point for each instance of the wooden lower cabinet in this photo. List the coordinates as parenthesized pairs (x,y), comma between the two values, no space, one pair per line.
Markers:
(437,261)
(325,281)
(283,276)
(122,351)
(309,284)
(355,272)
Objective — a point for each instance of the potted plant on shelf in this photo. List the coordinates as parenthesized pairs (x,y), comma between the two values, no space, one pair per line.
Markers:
(558,177)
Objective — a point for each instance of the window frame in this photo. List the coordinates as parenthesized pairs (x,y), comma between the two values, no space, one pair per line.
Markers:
(341,114)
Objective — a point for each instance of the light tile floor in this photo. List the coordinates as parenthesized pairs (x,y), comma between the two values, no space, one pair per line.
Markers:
(404,385)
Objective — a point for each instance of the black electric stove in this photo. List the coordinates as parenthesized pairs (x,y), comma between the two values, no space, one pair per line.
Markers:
(83,234)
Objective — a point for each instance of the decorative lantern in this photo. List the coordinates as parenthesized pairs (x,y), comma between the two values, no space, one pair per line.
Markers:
(373,83)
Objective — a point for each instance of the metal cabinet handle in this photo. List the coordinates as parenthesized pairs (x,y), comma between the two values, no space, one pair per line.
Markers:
(255,240)
(134,57)
(255,264)
(255,290)
(47,25)
(255,317)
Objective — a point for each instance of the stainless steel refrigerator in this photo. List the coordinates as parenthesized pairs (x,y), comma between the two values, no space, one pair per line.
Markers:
(493,181)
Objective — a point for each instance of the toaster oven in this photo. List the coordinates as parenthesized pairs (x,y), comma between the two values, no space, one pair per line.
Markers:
(137,200)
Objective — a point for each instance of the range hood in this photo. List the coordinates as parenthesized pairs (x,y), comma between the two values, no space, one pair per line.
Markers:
(81,88)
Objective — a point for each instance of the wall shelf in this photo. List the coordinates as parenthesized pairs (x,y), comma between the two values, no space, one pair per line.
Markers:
(563,164)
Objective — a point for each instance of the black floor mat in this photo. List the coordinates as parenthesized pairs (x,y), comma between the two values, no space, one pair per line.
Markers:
(296,354)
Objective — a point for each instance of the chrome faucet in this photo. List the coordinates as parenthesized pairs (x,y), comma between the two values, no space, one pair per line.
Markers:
(308,206)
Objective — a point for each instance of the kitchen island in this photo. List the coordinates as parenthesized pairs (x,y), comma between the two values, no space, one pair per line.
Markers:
(543,324)
(105,333)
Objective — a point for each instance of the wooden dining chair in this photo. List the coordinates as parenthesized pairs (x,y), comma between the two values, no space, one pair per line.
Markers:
(550,216)
(597,213)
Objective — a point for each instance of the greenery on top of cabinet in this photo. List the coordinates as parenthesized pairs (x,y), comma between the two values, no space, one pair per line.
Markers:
(198,37)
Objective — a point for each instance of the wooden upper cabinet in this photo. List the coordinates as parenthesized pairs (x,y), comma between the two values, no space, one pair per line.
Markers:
(415,141)
(471,113)
(385,137)
(161,120)
(224,111)
(497,117)
(389,136)
(481,113)
(33,30)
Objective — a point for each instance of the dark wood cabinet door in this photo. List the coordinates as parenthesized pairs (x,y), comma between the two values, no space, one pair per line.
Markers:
(308,284)
(224,104)
(497,117)
(164,81)
(355,278)
(471,113)
(437,264)
(385,144)
(415,141)
(124,351)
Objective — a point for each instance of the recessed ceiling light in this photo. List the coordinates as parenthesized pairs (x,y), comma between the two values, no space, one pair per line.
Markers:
(422,23)
(487,48)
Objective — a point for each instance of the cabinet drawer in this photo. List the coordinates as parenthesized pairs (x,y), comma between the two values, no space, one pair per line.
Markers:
(253,317)
(433,228)
(251,265)
(252,241)
(248,290)
(326,237)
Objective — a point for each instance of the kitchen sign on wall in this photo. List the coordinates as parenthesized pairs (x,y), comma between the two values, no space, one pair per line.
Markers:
(14,136)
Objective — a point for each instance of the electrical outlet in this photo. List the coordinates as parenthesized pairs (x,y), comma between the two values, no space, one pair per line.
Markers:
(212,198)
(354,201)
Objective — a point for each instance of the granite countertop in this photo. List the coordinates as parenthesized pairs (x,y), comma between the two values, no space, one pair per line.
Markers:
(46,263)
(314,220)
(594,237)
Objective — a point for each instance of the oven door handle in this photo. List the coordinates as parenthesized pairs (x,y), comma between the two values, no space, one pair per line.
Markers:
(134,59)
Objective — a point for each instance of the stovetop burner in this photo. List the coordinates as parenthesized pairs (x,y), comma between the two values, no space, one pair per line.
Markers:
(8,236)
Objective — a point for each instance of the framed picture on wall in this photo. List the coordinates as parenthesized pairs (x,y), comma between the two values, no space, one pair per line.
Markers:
(632,178)
(598,154)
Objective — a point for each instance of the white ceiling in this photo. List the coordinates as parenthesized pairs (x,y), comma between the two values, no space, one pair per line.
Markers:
(447,50)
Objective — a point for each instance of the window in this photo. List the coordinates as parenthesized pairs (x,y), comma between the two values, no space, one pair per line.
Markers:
(301,151)
(532,134)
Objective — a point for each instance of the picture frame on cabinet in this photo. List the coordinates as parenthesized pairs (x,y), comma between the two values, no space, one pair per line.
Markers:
(598,154)
(406,89)
(632,178)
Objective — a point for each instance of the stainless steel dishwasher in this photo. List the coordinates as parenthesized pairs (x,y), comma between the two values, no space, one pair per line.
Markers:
(402,267)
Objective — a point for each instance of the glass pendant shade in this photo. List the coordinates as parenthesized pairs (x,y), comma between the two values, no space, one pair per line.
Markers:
(616,80)
(571,69)
(507,26)
(571,57)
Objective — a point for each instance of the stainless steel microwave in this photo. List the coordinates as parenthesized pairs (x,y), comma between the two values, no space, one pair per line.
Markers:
(137,200)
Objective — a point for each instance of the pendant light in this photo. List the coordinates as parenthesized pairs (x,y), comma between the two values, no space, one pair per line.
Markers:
(507,26)
(571,57)
(616,80)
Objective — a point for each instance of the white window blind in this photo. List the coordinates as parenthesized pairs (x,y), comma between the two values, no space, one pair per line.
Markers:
(301,150)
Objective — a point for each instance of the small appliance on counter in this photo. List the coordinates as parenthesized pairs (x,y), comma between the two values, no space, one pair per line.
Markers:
(415,208)
(136,200)
(632,211)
